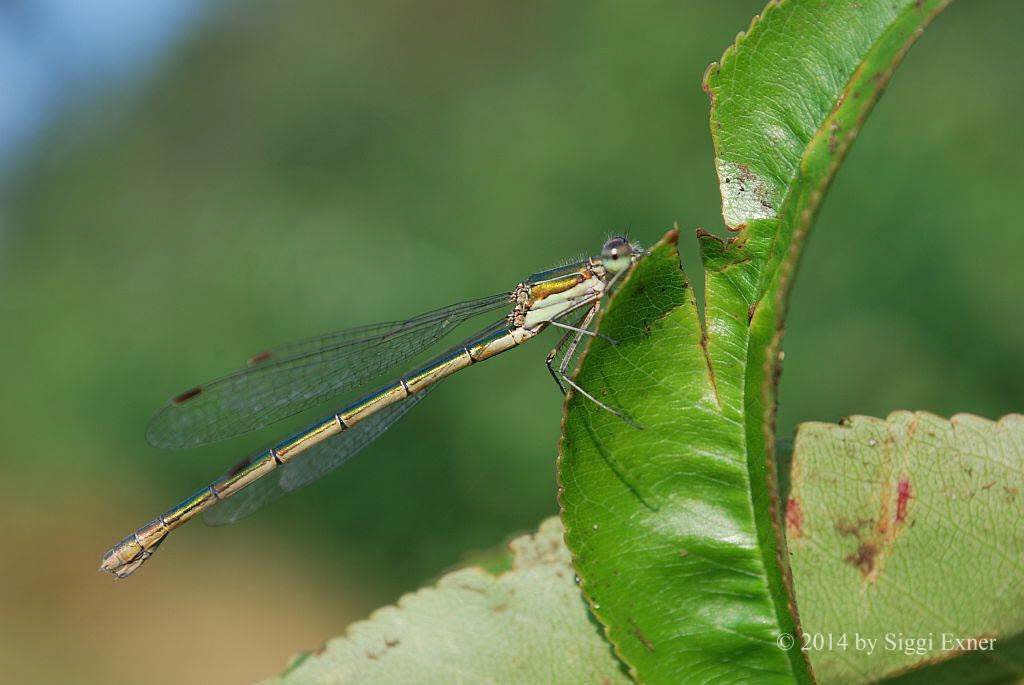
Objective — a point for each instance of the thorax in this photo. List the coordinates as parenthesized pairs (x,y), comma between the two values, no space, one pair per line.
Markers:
(549,294)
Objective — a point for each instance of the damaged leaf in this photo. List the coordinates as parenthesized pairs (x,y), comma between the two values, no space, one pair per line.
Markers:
(676,529)
(909,540)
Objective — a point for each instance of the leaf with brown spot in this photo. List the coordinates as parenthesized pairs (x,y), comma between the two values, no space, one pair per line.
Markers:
(903,532)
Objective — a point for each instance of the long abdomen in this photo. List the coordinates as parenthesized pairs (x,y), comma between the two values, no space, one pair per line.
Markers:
(131,552)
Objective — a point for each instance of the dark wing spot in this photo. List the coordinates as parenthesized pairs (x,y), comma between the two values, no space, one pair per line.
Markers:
(239,467)
(187,395)
(259,358)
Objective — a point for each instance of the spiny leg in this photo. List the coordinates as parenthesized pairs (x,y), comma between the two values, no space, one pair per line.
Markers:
(582,331)
(551,357)
(581,328)
(576,333)
(563,367)
(558,348)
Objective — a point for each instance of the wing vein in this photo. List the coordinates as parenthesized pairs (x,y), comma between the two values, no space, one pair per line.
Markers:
(285,380)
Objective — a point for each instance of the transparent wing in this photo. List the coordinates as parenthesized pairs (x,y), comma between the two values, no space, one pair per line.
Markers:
(312,464)
(285,380)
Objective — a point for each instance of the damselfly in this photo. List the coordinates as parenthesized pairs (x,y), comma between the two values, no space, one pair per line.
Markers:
(285,380)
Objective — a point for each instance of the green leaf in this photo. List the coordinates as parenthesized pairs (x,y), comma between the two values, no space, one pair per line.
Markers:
(528,624)
(907,532)
(659,519)
(790,96)
(675,529)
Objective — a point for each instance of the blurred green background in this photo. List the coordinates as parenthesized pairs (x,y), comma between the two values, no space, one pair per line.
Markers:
(292,168)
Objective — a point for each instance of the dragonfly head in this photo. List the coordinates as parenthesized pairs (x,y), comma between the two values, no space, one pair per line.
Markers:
(618,253)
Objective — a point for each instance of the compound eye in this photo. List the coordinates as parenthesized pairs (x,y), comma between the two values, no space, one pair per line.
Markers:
(616,253)
(617,246)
